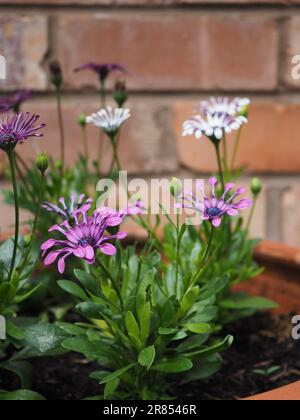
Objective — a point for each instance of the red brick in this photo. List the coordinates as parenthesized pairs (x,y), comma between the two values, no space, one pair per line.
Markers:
(145,138)
(269,141)
(168,51)
(24,43)
(292,49)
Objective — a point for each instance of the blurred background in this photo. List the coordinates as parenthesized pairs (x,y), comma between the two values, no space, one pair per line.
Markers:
(177,52)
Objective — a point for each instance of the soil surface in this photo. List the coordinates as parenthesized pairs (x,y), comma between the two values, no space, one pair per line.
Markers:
(263,357)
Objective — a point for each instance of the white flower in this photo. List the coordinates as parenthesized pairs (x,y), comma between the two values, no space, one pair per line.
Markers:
(224,105)
(109,119)
(213,125)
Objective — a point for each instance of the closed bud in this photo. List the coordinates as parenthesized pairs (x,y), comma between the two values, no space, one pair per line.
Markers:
(245,111)
(56,76)
(82,120)
(175,187)
(120,93)
(27,239)
(256,186)
(42,163)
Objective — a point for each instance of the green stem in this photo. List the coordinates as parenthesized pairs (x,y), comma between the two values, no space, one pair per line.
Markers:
(61,128)
(236,147)
(225,150)
(85,143)
(11,158)
(101,134)
(250,217)
(217,146)
(116,154)
(177,251)
(107,273)
(36,219)
(203,261)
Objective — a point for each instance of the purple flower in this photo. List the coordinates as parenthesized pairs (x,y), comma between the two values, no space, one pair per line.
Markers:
(103,70)
(68,211)
(18,128)
(83,238)
(13,102)
(213,208)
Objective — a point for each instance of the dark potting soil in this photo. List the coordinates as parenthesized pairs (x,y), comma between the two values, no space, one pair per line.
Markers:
(263,357)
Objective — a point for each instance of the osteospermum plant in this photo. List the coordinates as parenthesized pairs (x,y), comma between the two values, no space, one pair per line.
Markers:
(149,316)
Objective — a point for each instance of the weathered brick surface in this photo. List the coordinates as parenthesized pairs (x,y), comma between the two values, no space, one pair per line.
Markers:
(146,138)
(170,51)
(290,221)
(24,44)
(291,69)
(269,141)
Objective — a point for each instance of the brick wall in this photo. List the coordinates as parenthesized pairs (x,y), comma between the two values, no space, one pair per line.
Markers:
(177,51)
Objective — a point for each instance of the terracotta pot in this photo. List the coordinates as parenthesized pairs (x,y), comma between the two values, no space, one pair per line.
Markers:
(280,282)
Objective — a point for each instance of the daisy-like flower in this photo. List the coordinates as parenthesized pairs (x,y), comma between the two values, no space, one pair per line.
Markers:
(13,102)
(213,208)
(213,126)
(103,70)
(18,128)
(68,211)
(109,119)
(223,105)
(83,238)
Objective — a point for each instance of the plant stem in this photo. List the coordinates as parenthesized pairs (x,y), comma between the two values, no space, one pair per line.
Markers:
(225,151)
(36,219)
(236,147)
(85,143)
(217,146)
(101,134)
(116,154)
(61,128)
(11,158)
(107,273)
(177,252)
(208,249)
(250,217)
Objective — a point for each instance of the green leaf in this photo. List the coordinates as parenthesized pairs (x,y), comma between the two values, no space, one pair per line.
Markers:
(132,326)
(110,388)
(21,395)
(84,345)
(117,373)
(87,281)
(219,347)
(14,331)
(145,322)
(22,369)
(198,328)
(243,301)
(188,300)
(167,331)
(175,365)
(25,296)
(44,337)
(147,356)
(73,289)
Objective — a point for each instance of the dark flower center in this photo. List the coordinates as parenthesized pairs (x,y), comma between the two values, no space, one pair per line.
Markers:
(83,241)
(213,212)
(7,137)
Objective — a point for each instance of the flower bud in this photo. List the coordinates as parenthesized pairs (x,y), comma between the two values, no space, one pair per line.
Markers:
(27,239)
(42,163)
(175,187)
(256,186)
(120,93)
(82,120)
(245,111)
(56,76)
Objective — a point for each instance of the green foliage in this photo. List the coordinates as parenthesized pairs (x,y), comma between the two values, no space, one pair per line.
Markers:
(154,334)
